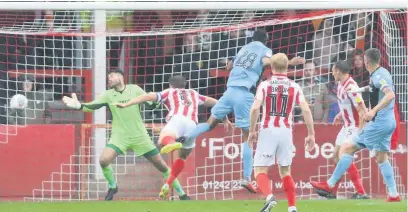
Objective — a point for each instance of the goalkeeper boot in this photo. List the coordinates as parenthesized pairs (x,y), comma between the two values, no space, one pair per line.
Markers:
(248,186)
(270,203)
(184,197)
(111,193)
(164,192)
(171,147)
(359,196)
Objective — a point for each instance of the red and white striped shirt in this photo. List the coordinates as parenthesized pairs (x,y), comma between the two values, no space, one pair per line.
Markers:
(183,102)
(279,96)
(348,103)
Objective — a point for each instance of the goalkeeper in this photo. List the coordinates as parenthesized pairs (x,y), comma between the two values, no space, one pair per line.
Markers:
(128,130)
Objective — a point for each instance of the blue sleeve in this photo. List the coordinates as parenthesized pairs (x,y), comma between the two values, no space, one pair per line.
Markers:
(382,80)
(268,53)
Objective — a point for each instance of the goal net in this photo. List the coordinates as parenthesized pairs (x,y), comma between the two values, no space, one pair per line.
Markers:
(48,54)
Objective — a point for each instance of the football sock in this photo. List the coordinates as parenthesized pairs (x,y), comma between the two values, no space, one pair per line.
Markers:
(247,161)
(198,130)
(388,175)
(108,174)
(176,169)
(168,140)
(176,184)
(355,178)
(341,167)
(289,186)
(263,184)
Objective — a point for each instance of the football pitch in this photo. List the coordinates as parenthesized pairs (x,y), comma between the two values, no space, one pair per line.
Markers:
(205,206)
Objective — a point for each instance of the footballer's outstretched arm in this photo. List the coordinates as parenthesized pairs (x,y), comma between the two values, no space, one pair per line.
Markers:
(209,101)
(149,97)
(356,89)
(73,103)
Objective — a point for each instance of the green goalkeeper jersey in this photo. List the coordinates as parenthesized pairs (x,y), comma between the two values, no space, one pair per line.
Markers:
(126,122)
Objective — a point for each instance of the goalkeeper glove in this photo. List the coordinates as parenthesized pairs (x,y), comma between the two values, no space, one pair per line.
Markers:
(72,102)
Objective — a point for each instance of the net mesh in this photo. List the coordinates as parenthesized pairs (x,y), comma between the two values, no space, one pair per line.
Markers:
(46,54)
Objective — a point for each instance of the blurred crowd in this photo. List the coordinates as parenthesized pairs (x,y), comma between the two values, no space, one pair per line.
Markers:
(200,55)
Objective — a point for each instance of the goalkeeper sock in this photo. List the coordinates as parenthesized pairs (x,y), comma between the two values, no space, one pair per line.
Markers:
(176,169)
(198,130)
(108,173)
(176,184)
(355,178)
(289,186)
(388,175)
(247,160)
(264,185)
(341,167)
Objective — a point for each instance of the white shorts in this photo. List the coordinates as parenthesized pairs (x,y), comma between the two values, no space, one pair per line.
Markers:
(274,143)
(180,125)
(346,135)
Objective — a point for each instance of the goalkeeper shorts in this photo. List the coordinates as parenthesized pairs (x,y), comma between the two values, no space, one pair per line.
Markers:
(141,145)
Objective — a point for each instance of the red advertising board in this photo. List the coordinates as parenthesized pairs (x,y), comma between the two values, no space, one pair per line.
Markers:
(34,155)
(214,170)
(31,155)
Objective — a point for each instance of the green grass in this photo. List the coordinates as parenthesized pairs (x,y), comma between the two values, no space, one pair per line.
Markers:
(205,206)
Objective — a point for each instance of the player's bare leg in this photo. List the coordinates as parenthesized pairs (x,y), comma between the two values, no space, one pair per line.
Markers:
(161,165)
(105,160)
(289,187)
(168,140)
(387,173)
(264,186)
(247,163)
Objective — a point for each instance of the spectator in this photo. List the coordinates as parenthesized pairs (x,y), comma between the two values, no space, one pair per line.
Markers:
(327,45)
(315,93)
(36,111)
(359,73)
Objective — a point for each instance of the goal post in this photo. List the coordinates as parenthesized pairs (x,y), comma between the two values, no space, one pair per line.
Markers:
(73,48)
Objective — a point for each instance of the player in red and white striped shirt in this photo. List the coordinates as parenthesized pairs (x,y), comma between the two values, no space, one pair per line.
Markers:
(352,107)
(278,97)
(182,105)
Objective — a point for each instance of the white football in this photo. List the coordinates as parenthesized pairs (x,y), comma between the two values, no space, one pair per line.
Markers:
(18,101)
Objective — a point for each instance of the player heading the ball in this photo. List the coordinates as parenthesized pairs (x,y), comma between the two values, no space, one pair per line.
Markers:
(182,105)
(376,134)
(128,130)
(278,97)
(246,69)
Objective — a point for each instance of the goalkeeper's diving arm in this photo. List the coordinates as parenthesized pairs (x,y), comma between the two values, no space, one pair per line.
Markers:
(73,103)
